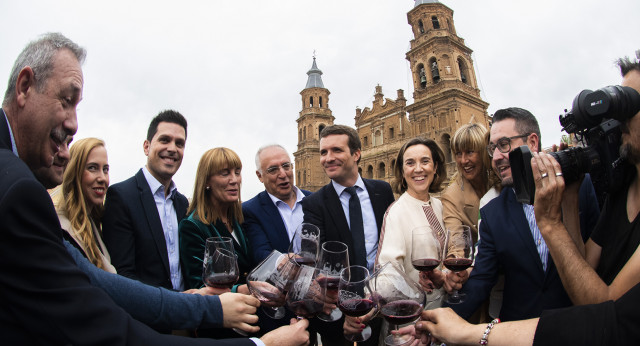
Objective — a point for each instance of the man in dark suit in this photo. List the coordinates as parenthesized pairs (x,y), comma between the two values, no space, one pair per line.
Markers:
(510,238)
(272,216)
(329,207)
(44,297)
(142,213)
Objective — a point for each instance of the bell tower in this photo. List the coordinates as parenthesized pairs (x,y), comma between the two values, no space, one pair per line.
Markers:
(446,94)
(314,117)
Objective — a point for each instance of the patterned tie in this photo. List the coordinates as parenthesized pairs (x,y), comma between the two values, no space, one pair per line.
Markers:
(434,223)
(357,228)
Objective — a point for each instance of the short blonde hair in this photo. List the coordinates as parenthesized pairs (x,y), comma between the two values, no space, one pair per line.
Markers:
(469,137)
(213,161)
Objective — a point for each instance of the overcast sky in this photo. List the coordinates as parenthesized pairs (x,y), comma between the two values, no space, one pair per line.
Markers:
(235,68)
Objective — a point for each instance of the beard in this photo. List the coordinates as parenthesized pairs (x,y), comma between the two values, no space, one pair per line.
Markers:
(629,153)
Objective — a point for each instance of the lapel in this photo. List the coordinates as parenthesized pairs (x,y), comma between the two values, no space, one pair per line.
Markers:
(339,219)
(5,137)
(272,214)
(377,202)
(518,224)
(153,219)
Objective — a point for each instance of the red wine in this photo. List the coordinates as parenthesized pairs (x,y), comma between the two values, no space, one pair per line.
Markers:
(221,280)
(356,307)
(457,264)
(267,293)
(425,264)
(329,282)
(307,308)
(305,261)
(401,311)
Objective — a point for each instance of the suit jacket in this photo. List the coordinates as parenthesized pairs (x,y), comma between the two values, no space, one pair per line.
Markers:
(264,226)
(506,242)
(133,232)
(324,210)
(44,298)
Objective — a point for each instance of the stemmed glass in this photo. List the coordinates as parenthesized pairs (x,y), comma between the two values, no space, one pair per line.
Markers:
(354,298)
(220,265)
(426,254)
(305,244)
(459,255)
(334,257)
(306,296)
(268,281)
(399,299)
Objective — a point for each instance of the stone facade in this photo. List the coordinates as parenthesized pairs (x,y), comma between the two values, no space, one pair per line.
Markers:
(446,96)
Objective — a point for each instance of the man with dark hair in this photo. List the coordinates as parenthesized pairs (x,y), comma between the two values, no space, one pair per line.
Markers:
(45,298)
(608,265)
(509,236)
(142,213)
(349,209)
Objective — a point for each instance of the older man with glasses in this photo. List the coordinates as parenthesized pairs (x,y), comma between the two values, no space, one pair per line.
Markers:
(510,240)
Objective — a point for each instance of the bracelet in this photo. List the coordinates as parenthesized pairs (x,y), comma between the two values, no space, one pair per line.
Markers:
(485,335)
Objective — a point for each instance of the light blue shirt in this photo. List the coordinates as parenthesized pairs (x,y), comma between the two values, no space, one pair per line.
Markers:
(169,219)
(543,250)
(368,217)
(13,140)
(292,218)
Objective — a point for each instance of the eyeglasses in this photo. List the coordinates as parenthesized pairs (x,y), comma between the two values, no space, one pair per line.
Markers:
(287,166)
(503,145)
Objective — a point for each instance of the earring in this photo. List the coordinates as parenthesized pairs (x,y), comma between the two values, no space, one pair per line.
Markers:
(208,188)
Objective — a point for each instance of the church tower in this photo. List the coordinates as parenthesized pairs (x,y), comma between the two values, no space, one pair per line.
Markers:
(446,94)
(314,117)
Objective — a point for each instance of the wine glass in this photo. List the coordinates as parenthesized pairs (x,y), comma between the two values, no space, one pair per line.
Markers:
(305,244)
(220,265)
(459,255)
(267,283)
(399,299)
(426,254)
(306,296)
(354,298)
(334,256)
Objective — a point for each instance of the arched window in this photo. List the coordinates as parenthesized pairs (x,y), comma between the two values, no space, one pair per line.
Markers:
(365,141)
(422,76)
(310,101)
(320,102)
(320,128)
(435,73)
(420,26)
(463,71)
(381,170)
(435,22)
(370,172)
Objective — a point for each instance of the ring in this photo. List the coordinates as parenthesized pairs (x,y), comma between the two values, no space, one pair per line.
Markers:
(544,175)
(559,174)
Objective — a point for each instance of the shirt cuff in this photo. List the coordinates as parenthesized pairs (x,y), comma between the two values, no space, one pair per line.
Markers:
(258,341)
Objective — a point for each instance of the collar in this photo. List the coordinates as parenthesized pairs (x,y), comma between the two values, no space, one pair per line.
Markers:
(340,189)
(299,196)
(154,184)
(14,148)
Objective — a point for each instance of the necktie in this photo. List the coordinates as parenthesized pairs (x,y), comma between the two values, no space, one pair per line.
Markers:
(434,223)
(357,228)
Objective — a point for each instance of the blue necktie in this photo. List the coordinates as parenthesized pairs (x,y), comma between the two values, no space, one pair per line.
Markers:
(357,228)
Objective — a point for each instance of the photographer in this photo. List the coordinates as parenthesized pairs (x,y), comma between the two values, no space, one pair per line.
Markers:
(608,265)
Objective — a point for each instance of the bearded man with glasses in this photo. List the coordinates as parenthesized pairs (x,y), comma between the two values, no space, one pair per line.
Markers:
(510,240)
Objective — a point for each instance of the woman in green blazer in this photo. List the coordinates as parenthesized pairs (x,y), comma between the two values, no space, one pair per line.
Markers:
(215,211)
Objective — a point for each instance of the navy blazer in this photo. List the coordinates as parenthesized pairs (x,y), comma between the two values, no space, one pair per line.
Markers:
(44,297)
(323,209)
(506,242)
(133,233)
(264,226)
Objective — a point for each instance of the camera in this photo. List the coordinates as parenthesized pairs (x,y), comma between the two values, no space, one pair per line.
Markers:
(595,120)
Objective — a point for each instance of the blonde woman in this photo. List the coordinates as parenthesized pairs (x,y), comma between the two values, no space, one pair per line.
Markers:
(80,202)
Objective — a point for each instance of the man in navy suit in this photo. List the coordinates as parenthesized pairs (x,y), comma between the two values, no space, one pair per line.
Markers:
(510,238)
(328,208)
(272,216)
(142,213)
(45,299)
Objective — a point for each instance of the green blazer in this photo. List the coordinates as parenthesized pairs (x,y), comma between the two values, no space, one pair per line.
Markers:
(193,237)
